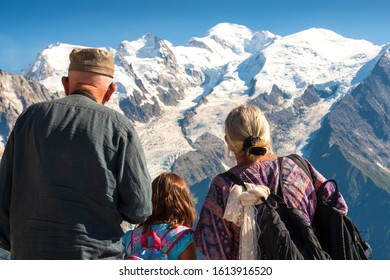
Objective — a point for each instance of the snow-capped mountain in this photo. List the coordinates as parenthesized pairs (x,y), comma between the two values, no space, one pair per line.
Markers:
(178,97)
(161,86)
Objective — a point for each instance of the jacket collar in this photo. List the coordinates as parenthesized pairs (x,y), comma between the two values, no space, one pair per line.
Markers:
(84,93)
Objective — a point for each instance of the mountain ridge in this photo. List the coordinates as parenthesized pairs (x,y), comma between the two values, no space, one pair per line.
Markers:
(311,85)
(166,76)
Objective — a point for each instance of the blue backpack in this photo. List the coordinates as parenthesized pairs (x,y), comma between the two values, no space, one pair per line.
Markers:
(140,245)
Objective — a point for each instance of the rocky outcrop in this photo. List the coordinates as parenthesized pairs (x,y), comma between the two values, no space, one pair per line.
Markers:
(205,162)
(16,93)
(352,147)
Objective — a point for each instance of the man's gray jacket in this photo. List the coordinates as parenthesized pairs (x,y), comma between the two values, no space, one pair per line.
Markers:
(71,171)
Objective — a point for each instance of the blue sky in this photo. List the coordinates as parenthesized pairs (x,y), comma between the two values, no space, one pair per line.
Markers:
(27,27)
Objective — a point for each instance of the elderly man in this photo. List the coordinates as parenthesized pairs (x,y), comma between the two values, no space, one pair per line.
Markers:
(72,171)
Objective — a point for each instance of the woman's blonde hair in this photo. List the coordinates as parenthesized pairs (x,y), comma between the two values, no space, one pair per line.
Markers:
(247,132)
(172,201)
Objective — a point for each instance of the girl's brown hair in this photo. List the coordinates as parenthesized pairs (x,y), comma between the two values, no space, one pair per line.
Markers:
(172,202)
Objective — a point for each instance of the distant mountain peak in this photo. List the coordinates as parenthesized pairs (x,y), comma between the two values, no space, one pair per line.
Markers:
(239,38)
(178,96)
(229,29)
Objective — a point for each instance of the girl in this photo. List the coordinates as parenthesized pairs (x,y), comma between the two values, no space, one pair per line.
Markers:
(169,226)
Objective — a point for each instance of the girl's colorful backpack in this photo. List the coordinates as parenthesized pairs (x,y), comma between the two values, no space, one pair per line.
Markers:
(153,246)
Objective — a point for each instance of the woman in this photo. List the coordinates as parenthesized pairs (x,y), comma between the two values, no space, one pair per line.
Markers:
(248,137)
(173,217)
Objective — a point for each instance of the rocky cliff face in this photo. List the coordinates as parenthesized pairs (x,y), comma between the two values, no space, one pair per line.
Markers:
(16,93)
(208,159)
(352,147)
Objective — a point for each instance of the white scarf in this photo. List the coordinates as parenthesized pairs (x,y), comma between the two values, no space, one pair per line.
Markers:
(241,210)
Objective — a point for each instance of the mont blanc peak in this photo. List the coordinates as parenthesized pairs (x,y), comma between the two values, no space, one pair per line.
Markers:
(314,56)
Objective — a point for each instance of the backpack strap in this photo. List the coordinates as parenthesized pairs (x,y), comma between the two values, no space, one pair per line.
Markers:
(279,190)
(236,180)
(135,237)
(335,194)
(131,242)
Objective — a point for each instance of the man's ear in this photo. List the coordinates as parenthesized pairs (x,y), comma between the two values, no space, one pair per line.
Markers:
(65,84)
(111,89)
